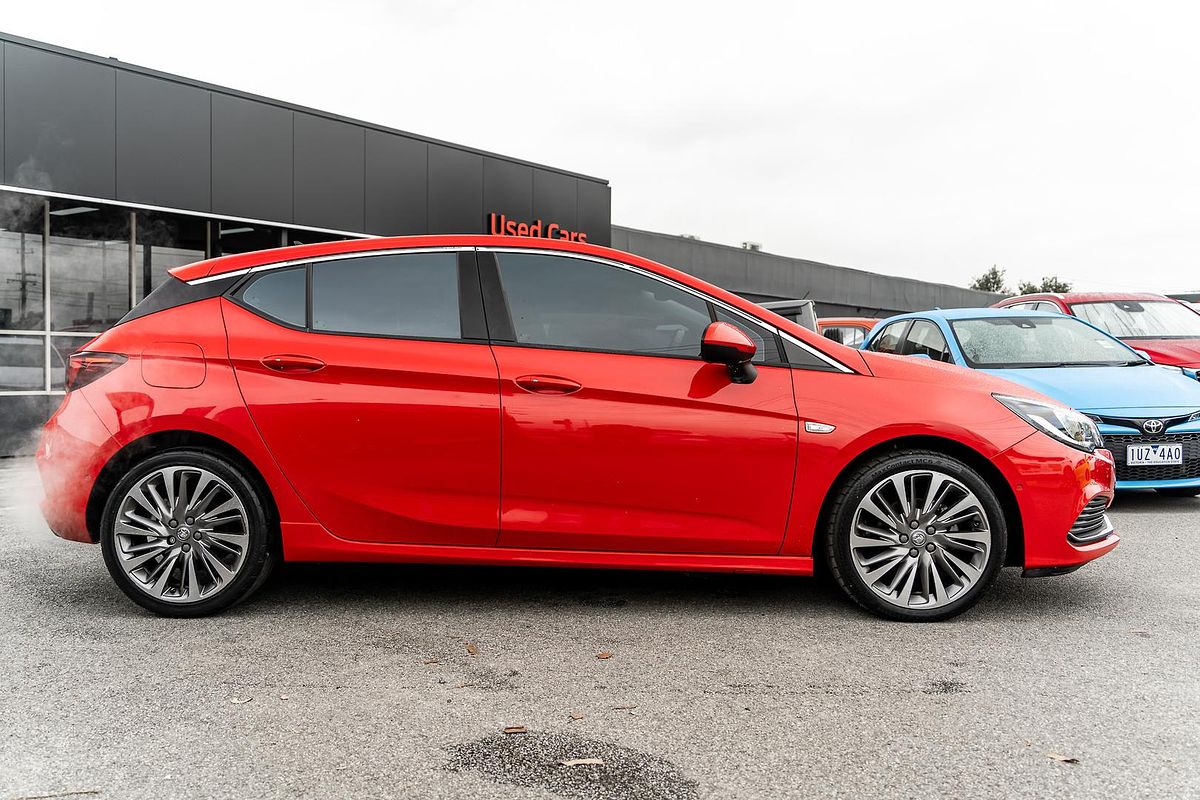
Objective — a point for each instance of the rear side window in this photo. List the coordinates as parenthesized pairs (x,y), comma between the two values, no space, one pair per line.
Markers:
(764,338)
(411,295)
(281,295)
(925,339)
(890,338)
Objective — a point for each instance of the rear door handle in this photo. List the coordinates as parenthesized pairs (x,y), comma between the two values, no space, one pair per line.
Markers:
(547,384)
(292,364)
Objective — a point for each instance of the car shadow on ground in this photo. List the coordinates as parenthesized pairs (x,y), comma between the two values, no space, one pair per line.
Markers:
(1148,500)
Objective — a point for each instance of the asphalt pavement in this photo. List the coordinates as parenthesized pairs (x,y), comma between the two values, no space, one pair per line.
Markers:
(399,681)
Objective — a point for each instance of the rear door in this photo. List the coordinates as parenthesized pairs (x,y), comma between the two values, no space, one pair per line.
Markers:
(616,435)
(372,383)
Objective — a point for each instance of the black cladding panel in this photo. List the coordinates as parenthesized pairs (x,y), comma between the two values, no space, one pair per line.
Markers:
(507,190)
(455,190)
(163,143)
(555,198)
(397,181)
(59,122)
(251,159)
(328,173)
(595,211)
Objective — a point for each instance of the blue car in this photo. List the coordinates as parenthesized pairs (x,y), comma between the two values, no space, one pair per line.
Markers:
(1148,414)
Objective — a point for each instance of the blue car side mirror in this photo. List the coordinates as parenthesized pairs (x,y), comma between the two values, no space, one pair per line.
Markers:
(920,355)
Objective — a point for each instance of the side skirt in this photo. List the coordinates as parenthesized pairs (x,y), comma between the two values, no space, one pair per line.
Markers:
(304,542)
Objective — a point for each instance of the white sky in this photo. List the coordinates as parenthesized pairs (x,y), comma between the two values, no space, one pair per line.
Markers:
(921,139)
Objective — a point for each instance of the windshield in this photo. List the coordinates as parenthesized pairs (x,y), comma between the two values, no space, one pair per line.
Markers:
(1153,319)
(1026,342)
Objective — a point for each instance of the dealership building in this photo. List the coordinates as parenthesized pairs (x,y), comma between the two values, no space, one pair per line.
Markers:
(112,174)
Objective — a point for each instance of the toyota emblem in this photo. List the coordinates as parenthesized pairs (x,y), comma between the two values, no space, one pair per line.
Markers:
(1153,426)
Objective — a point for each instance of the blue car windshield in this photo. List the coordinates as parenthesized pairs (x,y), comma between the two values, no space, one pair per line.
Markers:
(1028,342)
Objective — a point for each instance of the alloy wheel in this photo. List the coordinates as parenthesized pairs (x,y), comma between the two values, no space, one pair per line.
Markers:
(921,539)
(181,534)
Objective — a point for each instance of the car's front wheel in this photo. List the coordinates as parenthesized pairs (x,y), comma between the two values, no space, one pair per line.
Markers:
(916,536)
(185,533)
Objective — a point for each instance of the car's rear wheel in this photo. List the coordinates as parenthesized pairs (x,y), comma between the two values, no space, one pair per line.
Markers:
(916,536)
(1180,491)
(185,533)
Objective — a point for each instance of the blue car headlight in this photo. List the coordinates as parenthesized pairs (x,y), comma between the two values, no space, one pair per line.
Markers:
(1059,422)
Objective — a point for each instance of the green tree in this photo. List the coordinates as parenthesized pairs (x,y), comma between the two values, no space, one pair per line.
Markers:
(991,281)
(1050,283)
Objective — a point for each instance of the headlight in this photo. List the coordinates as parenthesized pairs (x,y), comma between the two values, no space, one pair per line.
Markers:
(1065,424)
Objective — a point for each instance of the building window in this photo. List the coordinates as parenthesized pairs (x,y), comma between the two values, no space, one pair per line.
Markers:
(22,363)
(166,241)
(88,260)
(238,237)
(22,219)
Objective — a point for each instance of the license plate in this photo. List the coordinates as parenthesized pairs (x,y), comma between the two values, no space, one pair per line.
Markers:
(1153,455)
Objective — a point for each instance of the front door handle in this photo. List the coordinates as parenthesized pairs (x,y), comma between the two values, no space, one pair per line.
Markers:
(547,384)
(292,364)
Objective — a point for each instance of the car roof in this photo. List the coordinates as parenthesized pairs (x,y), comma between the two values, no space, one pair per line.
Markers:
(1090,297)
(950,314)
(847,321)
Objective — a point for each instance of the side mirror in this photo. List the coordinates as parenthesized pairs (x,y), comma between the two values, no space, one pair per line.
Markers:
(925,356)
(727,344)
(1144,354)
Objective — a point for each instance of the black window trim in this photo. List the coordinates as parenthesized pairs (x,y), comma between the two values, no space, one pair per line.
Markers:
(496,303)
(497,318)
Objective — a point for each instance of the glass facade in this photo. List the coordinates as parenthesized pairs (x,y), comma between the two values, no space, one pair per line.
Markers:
(69,269)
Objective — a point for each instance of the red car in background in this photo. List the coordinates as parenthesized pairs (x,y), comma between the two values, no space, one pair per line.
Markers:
(497,400)
(850,331)
(1167,330)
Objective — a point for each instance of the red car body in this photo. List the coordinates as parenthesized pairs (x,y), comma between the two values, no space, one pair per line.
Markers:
(384,449)
(1173,350)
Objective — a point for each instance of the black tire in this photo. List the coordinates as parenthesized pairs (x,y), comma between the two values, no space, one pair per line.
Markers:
(855,488)
(258,560)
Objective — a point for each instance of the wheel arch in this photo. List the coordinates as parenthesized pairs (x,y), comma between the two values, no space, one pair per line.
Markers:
(968,455)
(163,441)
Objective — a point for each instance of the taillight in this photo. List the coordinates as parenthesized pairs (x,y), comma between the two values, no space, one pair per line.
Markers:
(85,367)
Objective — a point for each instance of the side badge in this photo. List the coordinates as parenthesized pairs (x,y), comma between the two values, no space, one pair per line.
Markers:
(819,427)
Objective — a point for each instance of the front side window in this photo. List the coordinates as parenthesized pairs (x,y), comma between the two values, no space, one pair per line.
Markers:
(1029,342)
(411,295)
(924,339)
(767,351)
(890,338)
(1150,319)
(558,301)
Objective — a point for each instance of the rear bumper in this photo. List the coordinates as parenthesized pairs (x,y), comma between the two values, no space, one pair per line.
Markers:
(1052,484)
(73,448)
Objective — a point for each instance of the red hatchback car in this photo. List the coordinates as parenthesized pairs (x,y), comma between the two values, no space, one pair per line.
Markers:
(496,400)
(1167,330)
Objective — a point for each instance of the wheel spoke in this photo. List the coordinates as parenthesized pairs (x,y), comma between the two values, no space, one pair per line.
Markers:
(899,483)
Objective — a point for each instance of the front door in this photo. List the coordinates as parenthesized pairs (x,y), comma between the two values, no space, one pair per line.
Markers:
(616,436)
(379,406)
